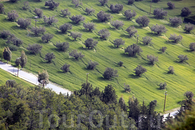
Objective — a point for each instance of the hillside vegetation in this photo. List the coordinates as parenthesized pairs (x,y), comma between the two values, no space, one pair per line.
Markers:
(105,53)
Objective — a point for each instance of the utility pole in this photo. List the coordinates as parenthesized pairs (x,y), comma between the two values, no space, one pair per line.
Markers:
(165,101)
(87,78)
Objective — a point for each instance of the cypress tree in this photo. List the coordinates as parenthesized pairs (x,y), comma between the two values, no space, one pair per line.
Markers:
(23,59)
(7,54)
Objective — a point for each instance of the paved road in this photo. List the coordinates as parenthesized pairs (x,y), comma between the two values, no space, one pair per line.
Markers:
(32,78)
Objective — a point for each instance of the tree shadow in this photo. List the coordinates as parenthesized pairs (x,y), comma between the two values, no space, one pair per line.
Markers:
(81,48)
(44,8)
(170,42)
(133,76)
(126,36)
(101,79)
(96,21)
(113,47)
(187,50)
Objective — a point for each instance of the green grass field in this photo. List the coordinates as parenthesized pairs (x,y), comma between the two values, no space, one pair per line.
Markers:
(4,76)
(145,87)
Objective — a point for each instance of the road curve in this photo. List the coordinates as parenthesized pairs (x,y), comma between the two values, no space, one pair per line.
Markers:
(32,78)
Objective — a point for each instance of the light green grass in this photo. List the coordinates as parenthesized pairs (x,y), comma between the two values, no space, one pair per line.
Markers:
(144,88)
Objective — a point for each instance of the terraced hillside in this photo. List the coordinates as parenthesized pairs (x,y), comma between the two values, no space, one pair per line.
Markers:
(144,88)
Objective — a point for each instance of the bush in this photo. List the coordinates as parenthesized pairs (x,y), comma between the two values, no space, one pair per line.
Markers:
(49,57)
(127,88)
(133,50)
(103,2)
(13,47)
(92,65)
(64,28)
(192,46)
(89,26)
(159,13)
(147,40)
(118,42)
(171,5)
(117,24)
(34,48)
(12,16)
(11,83)
(65,68)
(38,12)
(175,38)
(175,21)
(50,20)
(129,15)
(5,34)
(104,34)
(75,35)
(65,13)
(152,59)
(77,19)
(120,63)
(185,12)
(131,31)
(90,43)
(189,27)
(89,11)
(37,31)
(116,8)
(52,5)
(163,49)
(1,8)
(155,1)
(171,70)
(104,17)
(76,3)
(143,21)
(26,5)
(62,46)
(130,2)
(46,37)
(158,29)
(76,55)
(139,70)
(110,73)
(183,58)
(24,23)
(163,85)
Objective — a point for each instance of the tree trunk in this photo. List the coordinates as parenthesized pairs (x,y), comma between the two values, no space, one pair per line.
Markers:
(18,70)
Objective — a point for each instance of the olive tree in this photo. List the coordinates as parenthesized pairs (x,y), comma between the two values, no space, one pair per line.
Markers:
(192,46)
(1,8)
(43,78)
(131,30)
(158,29)
(51,4)
(75,35)
(37,31)
(77,3)
(132,50)
(175,38)
(50,20)
(104,34)
(129,15)
(15,41)
(171,5)
(64,28)
(139,70)
(77,19)
(175,21)
(117,24)
(185,12)
(62,46)
(46,37)
(147,40)
(130,2)
(24,23)
(90,43)
(118,42)
(92,65)
(103,17)
(159,13)
(183,58)
(143,21)
(49,57)
(127,88)
(110,73)
(5,34)
(89,26)
(152,59)
(103,2)
(116,8)
(120,63)
(26,5)
(65,13)
(12,16)
(189,27)
(89,11)
(171,70)
(38,12)
(155,1)
(34,48)
(65,68)
(163,85)
(76,54)
(163,49)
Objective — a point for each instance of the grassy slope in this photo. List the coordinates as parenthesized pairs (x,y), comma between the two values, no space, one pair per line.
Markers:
(4,76)
(144,88)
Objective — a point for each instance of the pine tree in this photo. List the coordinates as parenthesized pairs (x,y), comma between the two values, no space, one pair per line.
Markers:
(23,59)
